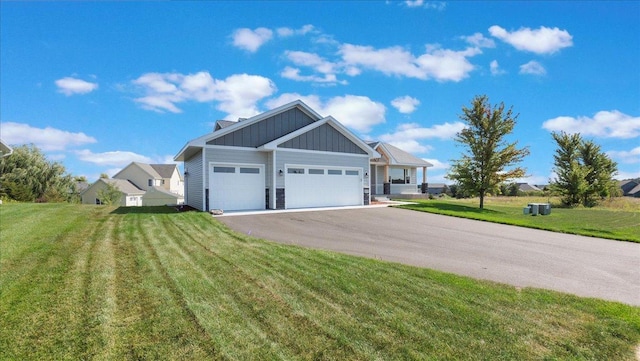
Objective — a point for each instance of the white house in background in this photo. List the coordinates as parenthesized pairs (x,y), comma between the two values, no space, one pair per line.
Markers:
(145,176)
(5,149)
(396,171)
(288,157)
(131,196)
(142,185)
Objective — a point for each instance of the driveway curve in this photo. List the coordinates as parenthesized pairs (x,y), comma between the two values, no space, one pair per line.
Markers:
(521,257)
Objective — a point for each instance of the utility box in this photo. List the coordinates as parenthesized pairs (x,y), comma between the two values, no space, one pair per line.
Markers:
(543,209)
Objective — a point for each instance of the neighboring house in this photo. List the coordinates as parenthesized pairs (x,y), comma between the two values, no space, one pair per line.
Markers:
(288,157)
(395,171)
(524,187)
(630,187)
(145,176)
(158,196)
(437,188)
(5,149)
(130,194)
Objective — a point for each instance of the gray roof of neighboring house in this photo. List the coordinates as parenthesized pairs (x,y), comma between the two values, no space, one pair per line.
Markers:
(221,124)
(525,187)
(398,156)
(164,191)
(164,170)
(436,185)
(634,191)
(124,186)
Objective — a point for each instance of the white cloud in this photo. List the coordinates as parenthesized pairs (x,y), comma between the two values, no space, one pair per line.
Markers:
(495,68)
(69,86)
(540,41)
(532,67)
(478,40)
(405,104)
(436,5)
(294,74)
(627,175)
(47,139)
(314,61)
(437,165)
(356,112)
(286,32)
(251,40)
(606,124)
(116,158)
(408,136)
(237,94)
(435,63)
(624,156)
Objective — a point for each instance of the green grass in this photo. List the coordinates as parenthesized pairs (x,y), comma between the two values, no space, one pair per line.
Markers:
(87,282)
(619,220)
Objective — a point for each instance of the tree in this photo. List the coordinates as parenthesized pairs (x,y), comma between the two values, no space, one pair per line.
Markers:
(584,174)
(27,175)
(483,167)
(109,195)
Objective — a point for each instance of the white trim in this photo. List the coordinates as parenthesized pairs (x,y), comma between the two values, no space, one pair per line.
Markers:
(322,152)
(272,196)
(251,149)
(204,185)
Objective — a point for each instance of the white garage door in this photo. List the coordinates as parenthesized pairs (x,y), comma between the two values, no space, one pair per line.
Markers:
(309,186)
(234,187)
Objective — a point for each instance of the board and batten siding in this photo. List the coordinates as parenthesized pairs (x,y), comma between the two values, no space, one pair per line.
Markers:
(266,130)
(193,182)
(324,138)
(284,157)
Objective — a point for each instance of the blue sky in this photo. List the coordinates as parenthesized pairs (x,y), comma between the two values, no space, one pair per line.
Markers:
(97,85)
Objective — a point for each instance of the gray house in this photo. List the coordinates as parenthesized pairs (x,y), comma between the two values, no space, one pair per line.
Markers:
(288,157)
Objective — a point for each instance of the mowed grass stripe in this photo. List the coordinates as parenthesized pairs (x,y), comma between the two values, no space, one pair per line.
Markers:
(251,301)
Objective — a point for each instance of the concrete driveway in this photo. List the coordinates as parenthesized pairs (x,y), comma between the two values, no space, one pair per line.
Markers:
(522,257)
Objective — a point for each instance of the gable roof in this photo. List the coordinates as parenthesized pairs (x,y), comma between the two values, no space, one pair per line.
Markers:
(5,149)
(196,144)
(220,124)
(123,186)
(526,187)
(398,156)
(144,167)
(164,191)
(165,170)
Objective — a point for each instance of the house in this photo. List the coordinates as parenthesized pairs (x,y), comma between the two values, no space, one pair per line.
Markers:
(130,194)
(288,157)
(5,149)
(437,188)
(630,187)
(142,185)
(396,171)
(147,176)
(525,187)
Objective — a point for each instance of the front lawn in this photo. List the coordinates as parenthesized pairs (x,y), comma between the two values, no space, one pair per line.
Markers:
(85,282)
(618,220)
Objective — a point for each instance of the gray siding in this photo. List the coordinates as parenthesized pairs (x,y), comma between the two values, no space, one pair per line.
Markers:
(266,130)
(236,156)
(323,138)
(308,158)
(193,182)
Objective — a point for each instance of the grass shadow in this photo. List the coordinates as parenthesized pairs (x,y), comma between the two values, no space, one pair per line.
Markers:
(448,207)
(146,210)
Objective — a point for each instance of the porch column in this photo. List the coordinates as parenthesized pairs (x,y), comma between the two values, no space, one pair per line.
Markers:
(424,187)
(386,185)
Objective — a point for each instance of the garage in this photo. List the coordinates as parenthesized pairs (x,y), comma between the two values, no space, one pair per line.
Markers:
(317,186)
(236,186)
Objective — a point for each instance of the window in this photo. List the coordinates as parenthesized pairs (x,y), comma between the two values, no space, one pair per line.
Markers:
(224,169)
(295,170)
(351,172)
(316,171)
(399,176)
(334,172)
(150,182)
(250,170)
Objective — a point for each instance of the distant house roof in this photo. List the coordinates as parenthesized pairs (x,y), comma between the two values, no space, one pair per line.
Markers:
(525,187)
(436,185)
(164,170)
(221,124)
(166,192)
(5,149)
(629,186)
(398,156)
(81,186)
(123,186)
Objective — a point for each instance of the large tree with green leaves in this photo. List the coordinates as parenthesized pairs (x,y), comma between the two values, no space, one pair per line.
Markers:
(27,175)
(488,157)
(584,173)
